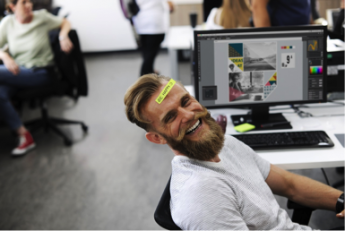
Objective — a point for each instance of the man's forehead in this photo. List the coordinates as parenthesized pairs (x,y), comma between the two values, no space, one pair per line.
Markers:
(152,107)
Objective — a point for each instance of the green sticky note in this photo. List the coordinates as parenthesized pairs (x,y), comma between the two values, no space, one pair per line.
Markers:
(244,127)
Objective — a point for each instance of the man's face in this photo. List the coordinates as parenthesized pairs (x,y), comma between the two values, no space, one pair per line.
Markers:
(185,125)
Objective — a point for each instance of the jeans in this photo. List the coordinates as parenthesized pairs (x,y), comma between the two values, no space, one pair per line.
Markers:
(150,45)
(10,84)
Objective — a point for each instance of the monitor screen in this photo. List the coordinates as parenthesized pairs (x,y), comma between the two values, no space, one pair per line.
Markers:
(260,66)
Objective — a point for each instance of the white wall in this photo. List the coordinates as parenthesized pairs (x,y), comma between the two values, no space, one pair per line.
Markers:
(100,24)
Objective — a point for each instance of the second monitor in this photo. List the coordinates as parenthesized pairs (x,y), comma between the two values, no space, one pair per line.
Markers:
(260,67)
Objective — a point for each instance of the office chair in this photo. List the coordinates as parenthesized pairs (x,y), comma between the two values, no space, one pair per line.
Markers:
(162,215)
(208,5)
(69,80)
(2,8)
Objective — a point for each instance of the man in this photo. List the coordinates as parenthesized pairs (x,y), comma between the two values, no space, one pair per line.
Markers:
(268,13)
(217,181)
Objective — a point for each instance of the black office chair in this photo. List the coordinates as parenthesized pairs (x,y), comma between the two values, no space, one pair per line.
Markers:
(2,8)
(162,215)
(69,80)
(208,5)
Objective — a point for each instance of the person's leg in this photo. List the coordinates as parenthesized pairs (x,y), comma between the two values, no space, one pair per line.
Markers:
(145,50)
(9,84)
(152,46)
(27,78)
(7,111)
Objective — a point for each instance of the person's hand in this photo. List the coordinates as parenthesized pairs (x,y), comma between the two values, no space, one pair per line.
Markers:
(66,45)
(171,7)
(11,65)
(341,215)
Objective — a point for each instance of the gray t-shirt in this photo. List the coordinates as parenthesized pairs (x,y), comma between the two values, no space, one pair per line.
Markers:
(29,43)
(231,194)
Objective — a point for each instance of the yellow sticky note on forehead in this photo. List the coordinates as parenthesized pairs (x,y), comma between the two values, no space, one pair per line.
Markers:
(165,91)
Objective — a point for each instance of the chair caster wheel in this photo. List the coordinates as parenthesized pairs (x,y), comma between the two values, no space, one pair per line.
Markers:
(68,143)
(85,128)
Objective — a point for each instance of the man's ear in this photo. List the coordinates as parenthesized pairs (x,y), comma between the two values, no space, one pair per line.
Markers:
(155,138)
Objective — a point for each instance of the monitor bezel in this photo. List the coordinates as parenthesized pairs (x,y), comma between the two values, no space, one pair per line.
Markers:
(263,29)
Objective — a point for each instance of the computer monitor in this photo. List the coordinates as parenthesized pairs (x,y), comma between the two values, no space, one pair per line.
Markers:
(260,67)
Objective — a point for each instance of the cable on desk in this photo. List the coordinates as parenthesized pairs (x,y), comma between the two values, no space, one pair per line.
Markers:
(300,113)
(324,173)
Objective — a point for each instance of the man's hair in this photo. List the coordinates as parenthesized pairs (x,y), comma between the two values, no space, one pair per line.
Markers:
(137,96)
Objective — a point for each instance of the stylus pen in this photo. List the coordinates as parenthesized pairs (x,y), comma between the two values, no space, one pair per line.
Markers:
(274,124)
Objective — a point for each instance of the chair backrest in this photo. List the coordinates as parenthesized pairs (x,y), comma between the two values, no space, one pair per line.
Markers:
(2,8)
(42,4)
(208,5)
(162,214)
(71,66)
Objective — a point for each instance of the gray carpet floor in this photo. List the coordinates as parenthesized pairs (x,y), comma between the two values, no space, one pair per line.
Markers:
(112,177)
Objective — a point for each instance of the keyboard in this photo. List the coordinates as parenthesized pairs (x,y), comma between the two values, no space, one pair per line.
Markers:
(286,140)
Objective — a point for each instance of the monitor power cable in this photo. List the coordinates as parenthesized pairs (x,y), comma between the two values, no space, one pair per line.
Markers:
(324,173)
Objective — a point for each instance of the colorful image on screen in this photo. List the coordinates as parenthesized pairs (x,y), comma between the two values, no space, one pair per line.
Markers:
(315,70)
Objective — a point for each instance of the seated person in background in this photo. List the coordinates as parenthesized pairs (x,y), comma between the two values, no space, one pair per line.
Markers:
(268,13)
(232,14)
(217,181)
(28,61)
(337,28)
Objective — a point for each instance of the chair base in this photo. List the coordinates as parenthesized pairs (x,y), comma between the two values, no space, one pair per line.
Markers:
(50,123)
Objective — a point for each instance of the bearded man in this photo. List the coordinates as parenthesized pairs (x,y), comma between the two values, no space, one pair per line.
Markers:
(217,181)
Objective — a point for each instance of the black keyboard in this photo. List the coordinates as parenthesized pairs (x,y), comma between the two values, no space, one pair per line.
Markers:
(285,140)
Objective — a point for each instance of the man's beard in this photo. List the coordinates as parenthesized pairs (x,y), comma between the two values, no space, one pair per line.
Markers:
(207,147)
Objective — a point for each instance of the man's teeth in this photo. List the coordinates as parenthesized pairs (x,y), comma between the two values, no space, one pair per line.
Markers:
(193,127)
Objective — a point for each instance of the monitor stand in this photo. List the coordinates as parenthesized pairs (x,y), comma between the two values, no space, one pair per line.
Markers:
(260,115)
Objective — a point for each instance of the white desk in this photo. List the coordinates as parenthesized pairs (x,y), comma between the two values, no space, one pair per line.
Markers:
(178,38)
(305,158)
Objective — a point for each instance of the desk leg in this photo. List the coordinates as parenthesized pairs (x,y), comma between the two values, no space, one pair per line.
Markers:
(173,64)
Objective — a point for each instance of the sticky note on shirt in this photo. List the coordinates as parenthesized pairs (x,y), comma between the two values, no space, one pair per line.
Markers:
(244,127)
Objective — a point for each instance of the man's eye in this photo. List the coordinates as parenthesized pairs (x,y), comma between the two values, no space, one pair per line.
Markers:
(185,102)
(169,118)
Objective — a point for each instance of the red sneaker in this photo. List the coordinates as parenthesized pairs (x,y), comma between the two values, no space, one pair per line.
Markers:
(26,143)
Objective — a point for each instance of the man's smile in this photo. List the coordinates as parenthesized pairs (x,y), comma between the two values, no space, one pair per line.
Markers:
(194,127)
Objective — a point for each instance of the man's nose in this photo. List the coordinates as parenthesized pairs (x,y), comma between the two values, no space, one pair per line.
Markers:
(186,115)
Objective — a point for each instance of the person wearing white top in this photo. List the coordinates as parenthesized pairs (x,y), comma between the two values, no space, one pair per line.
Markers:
(217,181)
(151,24)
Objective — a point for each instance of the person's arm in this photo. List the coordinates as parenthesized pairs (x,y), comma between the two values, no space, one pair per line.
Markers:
(9,62)
(65,42)
(171,6)
(260,13)
(302,190)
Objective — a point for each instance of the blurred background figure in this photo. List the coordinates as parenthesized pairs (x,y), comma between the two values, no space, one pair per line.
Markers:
(28,60)
(150,24)
(232,14)
(268,13)
(338,28)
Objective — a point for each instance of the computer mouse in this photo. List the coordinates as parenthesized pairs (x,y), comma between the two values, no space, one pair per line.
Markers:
(222,121)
